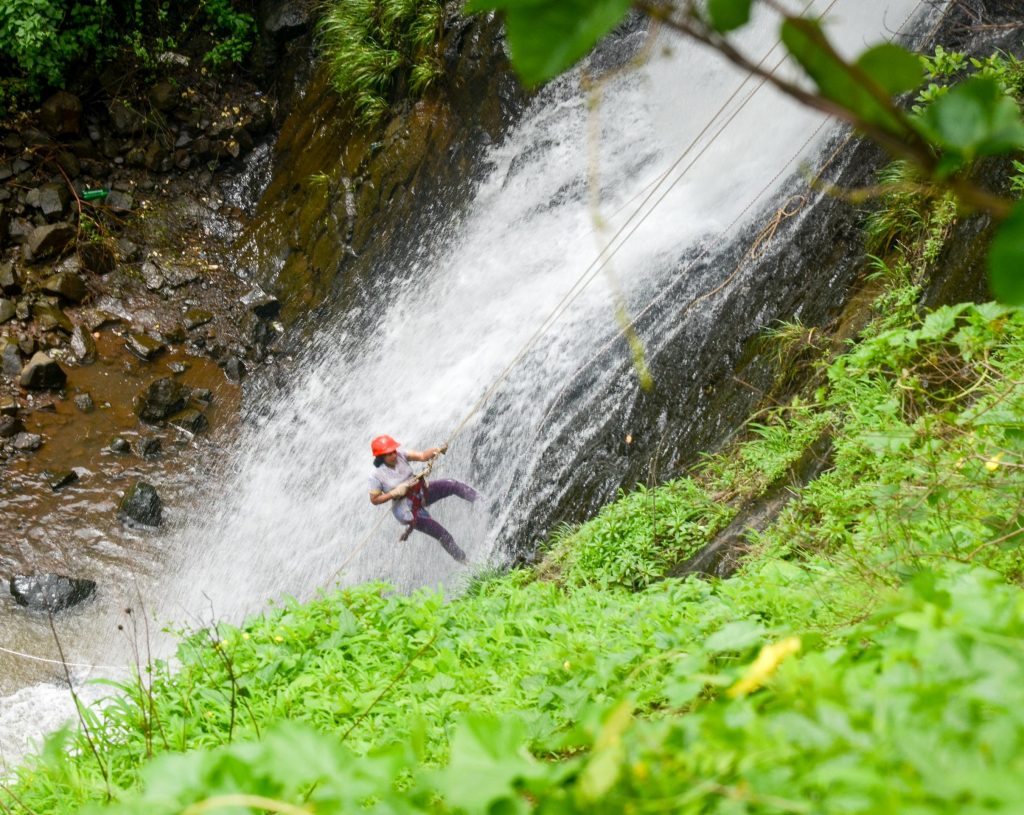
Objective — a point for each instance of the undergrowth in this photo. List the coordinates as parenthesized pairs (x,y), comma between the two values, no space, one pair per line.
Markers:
(868,656)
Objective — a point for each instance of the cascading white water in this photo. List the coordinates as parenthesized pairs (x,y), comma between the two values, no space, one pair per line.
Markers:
(293,506)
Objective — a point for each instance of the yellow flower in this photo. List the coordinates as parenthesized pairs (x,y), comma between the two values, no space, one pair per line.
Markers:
(993,463)
(278,638)
(761,669)
(567,665)
(245,636)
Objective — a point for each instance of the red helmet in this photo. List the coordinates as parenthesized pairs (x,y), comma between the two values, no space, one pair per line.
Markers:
(382,445)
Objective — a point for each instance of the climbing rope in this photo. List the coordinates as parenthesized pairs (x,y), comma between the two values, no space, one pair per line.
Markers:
(61,662)
(636,219)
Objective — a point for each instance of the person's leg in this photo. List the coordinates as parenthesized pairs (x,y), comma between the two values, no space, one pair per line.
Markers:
(442,488)
(428,526)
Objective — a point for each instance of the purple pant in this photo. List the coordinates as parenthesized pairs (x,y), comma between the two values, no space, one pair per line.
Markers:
(436,490)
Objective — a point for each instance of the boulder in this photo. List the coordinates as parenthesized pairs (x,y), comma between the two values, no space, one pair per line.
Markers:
(144,346)
(49,317)
(119,445)
(10,358)
(9,282)
(8,308)
(190,420)
(164,397)
(234,370)
(50,199)
(51,239)
(120,200)
(61,114)
(83,346)
(125,119)
(141,505)
(42,373)
(148,447)
(50,592)
(27,442)
(10,426)
(59,480)
(263,305)
(68,285)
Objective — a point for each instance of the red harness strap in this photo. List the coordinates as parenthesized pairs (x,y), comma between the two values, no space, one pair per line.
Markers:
(417,495)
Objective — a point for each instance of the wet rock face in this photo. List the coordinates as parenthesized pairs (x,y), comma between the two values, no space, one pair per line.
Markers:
(342,197)
(141,505)
(50,592)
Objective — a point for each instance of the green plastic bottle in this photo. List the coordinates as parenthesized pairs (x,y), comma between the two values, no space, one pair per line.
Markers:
(94,195)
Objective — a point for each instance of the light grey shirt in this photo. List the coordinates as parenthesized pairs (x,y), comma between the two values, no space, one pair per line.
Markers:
(385,479)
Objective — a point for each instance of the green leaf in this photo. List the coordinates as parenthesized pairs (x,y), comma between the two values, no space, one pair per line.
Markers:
(1006,259)
(545,38)
(727,15)
(975,119)
(857,91)
(895,69)
(736,636)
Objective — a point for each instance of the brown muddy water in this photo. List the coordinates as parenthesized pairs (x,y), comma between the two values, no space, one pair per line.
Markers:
(73,530)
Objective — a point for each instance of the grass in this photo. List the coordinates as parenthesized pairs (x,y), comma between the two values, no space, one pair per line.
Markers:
(380,51)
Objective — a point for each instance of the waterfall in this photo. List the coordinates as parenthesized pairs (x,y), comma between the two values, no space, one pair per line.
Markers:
(290,508)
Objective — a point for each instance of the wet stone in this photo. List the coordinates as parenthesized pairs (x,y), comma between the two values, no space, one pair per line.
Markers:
(10,358)
(196,317)
(83,346)
(8,280)
(144,346)
(177,367)
(120,200)
(49,317)
(8,407)
(204,395)
(59,480)
(152,276)
(50,199)
(10,426)
(84,403)
(50,592)
(234,370)
(8,308)
(52,239)
(67,285)
(141,505)
(27,442)
(119,445)
(190,420)
(262,304)
(164,397)
(148,447)
(42,373)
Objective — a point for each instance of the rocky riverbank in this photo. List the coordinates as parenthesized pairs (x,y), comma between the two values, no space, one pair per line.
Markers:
(125,326)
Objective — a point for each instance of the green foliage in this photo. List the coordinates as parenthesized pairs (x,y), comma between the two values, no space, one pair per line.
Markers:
(381,50)
(545,38)
(44,42)
(726,15)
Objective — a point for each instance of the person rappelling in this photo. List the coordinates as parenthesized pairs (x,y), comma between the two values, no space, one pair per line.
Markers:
(393,480)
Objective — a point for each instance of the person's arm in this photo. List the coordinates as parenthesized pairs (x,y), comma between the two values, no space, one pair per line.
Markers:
(377,497)
(425,455)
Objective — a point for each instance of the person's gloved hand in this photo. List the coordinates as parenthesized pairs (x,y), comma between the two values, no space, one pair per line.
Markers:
(442,449)
(402,489)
